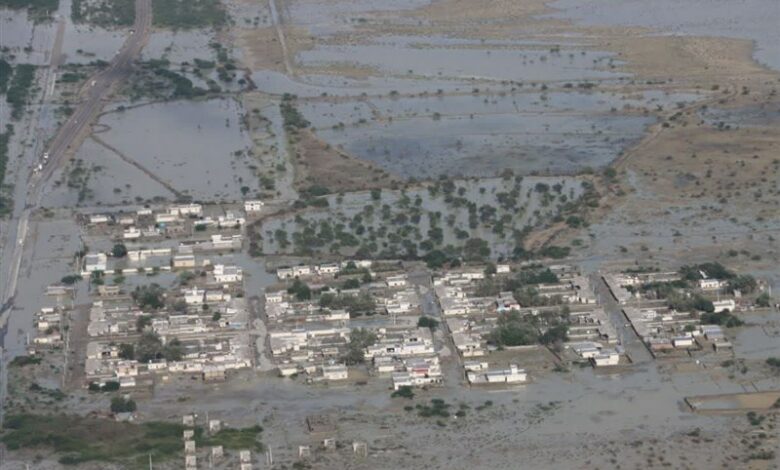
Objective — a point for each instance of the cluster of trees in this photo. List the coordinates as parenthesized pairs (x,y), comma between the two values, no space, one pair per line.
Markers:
(710,270)
(18,90)
(356,305)
(682,302)
(151,348)
(300,290)
(5,139)
(405,228)
(359,340)
(514,330)
(149,297)
(721,318)
(122,405)
(293,119)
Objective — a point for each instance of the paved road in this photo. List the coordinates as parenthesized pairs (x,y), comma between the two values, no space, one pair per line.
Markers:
(68,138)
(628,338)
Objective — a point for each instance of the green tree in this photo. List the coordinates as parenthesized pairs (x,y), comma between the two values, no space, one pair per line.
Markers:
(119,251)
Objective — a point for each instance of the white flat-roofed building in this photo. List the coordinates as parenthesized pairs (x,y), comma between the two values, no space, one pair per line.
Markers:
(194,295)
(285,273)
(334,372)
(254,205)
(96,219)
(227,274)
(131,233)
(95,262)
(607,357)
(711,284)
(328,268)
(724,305)
(186,209)
(396,281)
(301,271)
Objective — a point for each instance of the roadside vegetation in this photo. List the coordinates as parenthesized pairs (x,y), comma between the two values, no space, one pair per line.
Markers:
(5,140)
(5,75)
(188,14)
(105,13)
(19,89)
(37,10)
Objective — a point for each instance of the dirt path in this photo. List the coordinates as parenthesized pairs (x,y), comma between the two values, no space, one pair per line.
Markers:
(130,161)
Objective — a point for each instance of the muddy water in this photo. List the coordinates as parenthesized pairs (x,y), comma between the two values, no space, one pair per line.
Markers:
(756,20)
(500,64)
(49,257)
(30,43)
(485,145)
(530,210)
(189,144)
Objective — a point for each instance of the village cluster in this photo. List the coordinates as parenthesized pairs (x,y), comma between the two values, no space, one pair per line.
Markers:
(165,300)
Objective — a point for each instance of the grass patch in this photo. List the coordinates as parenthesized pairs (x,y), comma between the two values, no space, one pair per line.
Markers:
(21,361)
(80,439)
(188,14)
(244,438)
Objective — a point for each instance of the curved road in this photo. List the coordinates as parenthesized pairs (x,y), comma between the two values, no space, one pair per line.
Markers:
(68,138)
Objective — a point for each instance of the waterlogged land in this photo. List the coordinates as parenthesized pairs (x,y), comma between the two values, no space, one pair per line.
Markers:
(655,126)
(478,218)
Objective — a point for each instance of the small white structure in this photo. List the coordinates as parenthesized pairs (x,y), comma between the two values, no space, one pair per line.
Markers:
(227,274)
(711,284)
(682,341)
(724,305)
(396,281)
(607,357)
(497,376)
(335,372)
(95,262)
(194,296)
(254,205)
(98,219)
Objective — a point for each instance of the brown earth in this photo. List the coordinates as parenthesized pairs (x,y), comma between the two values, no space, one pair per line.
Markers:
(317,162)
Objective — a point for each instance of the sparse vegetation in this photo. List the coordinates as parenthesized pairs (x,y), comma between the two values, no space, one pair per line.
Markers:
(37,10)
(18,91)
(188,14)
(78,439)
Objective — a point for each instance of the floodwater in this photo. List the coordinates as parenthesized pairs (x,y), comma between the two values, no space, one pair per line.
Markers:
(116,181)
(191,145)
(752,116)
(30,43)
(529,210)
(179,46)
(49,257)
(400,59)
(481,135)
(756,20)
(484,145)
(760,337)
(313,85)
(93,43)
(326,17)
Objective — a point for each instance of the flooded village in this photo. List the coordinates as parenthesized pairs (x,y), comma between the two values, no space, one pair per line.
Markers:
(432,233)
